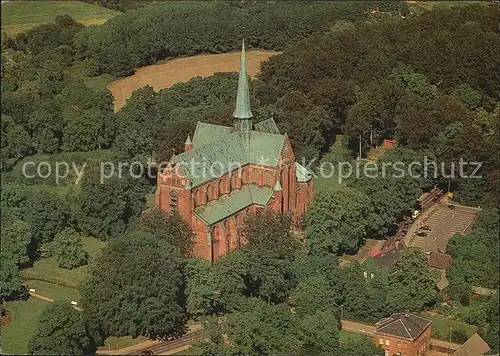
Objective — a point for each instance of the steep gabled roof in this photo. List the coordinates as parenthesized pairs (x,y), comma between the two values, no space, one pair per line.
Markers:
(264,149)
(206,133)
(302,173)
(227,205)
(475,346)
(212,160)
(217,150)
(268,126)
(403,325)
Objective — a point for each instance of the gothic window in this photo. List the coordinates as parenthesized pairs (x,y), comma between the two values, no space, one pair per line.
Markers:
(173,200)
(221,186)
(269,179)
(245,176)
(254,176)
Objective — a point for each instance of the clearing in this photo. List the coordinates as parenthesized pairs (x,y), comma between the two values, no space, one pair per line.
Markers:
(20,16)
(46,269)
(442,326)
(15,336)
(160,76)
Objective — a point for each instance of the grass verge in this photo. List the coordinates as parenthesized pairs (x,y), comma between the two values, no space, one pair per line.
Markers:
(53,291)
(15,336)
(442,326)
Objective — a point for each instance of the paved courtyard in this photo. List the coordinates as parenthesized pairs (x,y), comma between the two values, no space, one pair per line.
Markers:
(445,223)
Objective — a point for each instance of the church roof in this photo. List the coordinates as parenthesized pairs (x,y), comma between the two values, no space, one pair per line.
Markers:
(206,133)
(268,126)
(227,205)
(222,148)
(302,173)
(217,150)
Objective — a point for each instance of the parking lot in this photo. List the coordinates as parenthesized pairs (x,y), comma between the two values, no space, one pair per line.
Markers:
(444,222)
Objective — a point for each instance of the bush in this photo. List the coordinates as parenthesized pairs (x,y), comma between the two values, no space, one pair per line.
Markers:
(458,336)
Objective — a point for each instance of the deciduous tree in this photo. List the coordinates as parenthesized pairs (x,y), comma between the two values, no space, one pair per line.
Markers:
(60,331)
(67,247)
(136,288)
(337,221)
(169,227)
(412,284)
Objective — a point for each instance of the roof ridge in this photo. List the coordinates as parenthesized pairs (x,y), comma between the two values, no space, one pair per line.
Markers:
(407,331)
(267,133)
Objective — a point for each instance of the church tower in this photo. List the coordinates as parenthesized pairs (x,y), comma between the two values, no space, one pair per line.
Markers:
(242,113)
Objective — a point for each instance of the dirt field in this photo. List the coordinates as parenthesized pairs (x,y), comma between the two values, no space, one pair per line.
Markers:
(178,70)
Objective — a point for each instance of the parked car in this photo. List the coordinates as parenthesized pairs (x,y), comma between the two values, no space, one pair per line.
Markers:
(421,234)
(404,232)
(426,228)
(452,207)
(147,352)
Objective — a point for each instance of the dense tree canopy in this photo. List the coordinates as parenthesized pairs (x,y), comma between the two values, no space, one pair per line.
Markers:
(61,331)
(475,255)
(368,77)
(127,41)
(337,221)
(171,228)
(109,200)
(136,288)
(412,284)
(67,248)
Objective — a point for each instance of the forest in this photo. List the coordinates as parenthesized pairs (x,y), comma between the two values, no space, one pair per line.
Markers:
(430,81)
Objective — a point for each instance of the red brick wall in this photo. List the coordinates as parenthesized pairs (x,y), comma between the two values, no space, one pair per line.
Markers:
(294,198)
(418,347)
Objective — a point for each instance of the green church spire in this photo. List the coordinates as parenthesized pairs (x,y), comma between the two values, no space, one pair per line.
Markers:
(242,110)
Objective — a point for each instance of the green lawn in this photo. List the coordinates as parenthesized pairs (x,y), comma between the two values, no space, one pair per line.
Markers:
(15,336)
(441,326)
(19,16)
(46,269)
(328,184)
(78,69)
(346,336)
(53,291)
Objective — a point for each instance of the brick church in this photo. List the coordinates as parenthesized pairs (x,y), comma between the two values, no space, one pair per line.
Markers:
(226,172)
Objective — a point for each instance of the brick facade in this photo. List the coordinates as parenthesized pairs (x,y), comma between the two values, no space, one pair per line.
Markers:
(403,334)
(213,241)
(225,173)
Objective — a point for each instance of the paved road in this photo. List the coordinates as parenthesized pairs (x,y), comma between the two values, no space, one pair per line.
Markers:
(177,345)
